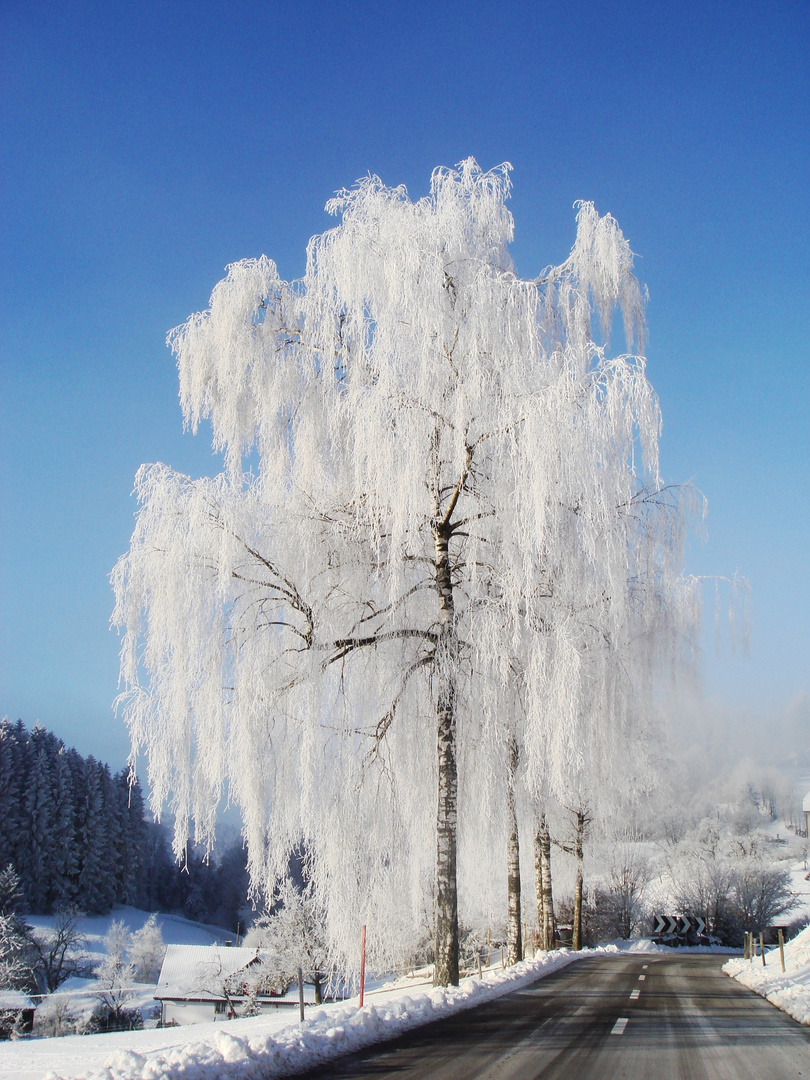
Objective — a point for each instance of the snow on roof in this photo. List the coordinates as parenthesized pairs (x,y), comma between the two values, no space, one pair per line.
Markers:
(806,803)
(198,972)
(15,1000)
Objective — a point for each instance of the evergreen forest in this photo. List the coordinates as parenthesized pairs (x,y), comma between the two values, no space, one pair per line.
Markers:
(76,834)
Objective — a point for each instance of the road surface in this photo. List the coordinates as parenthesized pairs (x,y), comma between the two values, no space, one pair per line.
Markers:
(643,1017)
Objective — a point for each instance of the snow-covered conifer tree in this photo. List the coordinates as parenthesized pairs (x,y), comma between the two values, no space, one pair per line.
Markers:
(439,490)
(94,874)
(39,814)
(65,861)
(18,958)
(12,798)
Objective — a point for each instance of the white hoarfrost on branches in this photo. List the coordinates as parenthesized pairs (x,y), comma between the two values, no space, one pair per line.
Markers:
(440,532)
(291,937)
(146,950)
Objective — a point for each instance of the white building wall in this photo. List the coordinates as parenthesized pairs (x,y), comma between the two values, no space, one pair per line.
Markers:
(189,1012)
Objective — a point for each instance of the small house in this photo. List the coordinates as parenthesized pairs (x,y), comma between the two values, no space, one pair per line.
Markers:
(16,1012)
(203,983)
(806,809)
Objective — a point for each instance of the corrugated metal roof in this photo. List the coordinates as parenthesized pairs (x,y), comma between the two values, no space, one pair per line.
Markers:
(198,972)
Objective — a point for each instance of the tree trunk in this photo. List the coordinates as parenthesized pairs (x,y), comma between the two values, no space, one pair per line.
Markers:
(538,888)
(445,972)
(548,930)
(582,821)
(514,936)
(316,979)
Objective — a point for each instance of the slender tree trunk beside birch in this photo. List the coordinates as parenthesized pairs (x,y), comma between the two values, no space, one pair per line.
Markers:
(582,818)
(446,944)
(545,898)
(514,932)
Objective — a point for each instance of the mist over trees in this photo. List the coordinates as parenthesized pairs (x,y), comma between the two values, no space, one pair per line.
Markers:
(438,578)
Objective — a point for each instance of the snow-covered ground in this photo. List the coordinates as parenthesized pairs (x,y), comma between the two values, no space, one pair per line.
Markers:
(277,1044)
(800,885)
(175,929)
(273,1045)
(789,990)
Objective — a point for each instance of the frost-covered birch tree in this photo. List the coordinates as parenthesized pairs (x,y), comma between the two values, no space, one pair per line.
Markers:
(439,488)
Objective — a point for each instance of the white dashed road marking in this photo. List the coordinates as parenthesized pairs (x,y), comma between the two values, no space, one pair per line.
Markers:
(641,978)
(635,995)
(644,967)
(619,1026)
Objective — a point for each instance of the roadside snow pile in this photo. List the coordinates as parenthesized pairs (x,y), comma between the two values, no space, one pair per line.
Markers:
(647,945)
(267,1046)
(789,990)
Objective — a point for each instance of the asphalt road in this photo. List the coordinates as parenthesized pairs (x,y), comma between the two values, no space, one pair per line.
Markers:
(650,1017)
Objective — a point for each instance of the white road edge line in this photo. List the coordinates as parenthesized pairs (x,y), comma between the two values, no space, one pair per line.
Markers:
(619,1026)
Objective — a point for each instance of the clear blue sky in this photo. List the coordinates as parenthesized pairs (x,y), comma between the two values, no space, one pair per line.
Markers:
(146,145)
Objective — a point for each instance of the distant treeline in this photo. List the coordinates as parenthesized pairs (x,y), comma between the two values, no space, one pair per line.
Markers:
(76,834)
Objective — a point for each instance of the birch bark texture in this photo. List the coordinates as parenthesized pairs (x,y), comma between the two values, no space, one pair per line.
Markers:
(439,491)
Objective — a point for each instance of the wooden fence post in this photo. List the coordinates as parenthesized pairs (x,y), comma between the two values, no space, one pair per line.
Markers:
(782,948)
(301,994)
(762,949)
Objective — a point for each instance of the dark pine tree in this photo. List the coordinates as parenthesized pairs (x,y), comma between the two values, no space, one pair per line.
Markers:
(65,861)
(92,838)
(37,863)
(111,842)
(132,863)
(11,803)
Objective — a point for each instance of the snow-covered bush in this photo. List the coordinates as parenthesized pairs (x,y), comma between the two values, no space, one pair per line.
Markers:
(11,1023)
(617,908)
(146,950)
(55,1017)
(18,956)
(729,882)
(761,894)
(112,1018)
(114,979)
(291,936)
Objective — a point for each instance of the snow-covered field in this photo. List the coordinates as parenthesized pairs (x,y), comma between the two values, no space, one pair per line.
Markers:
(175,929)
(788,990)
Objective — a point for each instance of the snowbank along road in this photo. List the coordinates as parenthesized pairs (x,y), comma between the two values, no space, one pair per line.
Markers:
(671,1018)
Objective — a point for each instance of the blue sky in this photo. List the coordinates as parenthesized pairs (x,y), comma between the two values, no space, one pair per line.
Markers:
(145,146)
